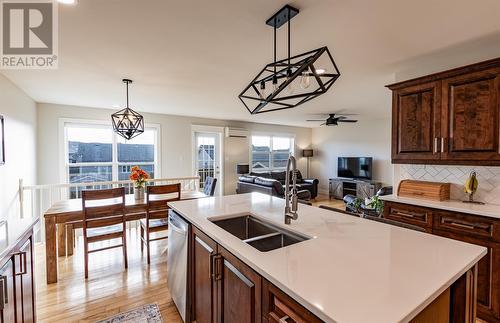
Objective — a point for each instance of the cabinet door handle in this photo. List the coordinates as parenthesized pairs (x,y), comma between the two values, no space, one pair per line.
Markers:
(284,318)
(218,267)
(4,293)
(436,144)
(442,144)
(22,263)
(211,266)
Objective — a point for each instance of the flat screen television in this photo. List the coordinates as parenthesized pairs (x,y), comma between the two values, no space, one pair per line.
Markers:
(355,167)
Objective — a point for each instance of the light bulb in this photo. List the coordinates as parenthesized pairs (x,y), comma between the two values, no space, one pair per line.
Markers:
(289,88)
(263,92)
(275,83)
(305,79)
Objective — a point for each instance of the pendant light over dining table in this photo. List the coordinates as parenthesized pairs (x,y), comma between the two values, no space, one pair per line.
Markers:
(289,82)
(126,122)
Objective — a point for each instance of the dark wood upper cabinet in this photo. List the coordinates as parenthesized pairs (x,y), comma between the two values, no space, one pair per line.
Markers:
(450,117)
(416,122)
(470,106)
(239,291)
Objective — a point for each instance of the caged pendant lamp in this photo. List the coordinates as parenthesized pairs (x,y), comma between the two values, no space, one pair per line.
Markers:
(291,81)
(126,122)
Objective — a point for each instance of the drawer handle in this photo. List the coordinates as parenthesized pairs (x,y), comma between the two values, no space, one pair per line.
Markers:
(408,215)
(284,318)
(463,226)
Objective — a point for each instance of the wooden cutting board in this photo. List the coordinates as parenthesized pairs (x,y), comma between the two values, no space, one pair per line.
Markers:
(425,190)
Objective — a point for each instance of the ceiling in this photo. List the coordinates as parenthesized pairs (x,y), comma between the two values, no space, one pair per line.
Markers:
(194,57)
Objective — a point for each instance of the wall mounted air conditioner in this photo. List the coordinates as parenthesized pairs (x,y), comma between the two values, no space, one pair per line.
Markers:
(236,132)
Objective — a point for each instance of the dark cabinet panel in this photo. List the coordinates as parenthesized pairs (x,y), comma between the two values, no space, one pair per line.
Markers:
(488,277)
(277,307)
(239,291)
(409,214)
(469,228)
(451,117)
(26,283)
(7,292)
(416,122)
(470,106)
(204,288)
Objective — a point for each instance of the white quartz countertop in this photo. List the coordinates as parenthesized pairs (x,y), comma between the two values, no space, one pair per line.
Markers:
(352,270)
(489,210)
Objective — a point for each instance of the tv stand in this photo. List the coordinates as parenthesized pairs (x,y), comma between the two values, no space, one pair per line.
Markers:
(340,187)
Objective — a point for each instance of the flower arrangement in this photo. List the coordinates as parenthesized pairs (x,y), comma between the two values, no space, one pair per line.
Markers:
(138,176)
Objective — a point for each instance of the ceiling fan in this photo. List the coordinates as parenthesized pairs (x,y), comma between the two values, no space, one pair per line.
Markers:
(333,119)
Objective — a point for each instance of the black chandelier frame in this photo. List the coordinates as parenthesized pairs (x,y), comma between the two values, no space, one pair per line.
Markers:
(290,69)
(127,122)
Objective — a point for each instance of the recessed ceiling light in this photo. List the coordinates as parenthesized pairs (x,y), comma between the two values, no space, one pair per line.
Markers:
(70,2)
(320,70)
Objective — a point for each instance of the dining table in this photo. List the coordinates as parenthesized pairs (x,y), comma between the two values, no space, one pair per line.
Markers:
(69,212)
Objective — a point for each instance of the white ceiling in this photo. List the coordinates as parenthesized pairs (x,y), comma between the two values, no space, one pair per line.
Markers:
(193,58)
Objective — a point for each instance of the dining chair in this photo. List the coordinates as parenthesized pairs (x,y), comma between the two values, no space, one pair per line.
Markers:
(103,219)
(209,186)
(156,219)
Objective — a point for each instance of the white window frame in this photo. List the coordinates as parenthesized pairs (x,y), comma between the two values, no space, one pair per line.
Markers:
(271,136)
(63,148)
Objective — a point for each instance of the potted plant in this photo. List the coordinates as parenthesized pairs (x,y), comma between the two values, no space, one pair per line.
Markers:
(139,177)
(375,204)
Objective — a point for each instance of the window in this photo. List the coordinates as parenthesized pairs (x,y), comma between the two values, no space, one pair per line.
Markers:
(271,152)
(94,153)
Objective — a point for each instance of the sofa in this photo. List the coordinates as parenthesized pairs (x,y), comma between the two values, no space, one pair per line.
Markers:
(273,182)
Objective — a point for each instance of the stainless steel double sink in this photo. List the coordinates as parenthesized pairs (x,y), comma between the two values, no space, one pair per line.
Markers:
(262,235)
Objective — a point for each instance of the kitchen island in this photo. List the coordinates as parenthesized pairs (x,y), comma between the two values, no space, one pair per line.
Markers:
(347,270)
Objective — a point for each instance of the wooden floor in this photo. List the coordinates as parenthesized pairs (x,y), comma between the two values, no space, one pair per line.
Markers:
(110,288)
(324,200)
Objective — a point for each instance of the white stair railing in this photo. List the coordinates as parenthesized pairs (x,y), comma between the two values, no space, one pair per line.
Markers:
(35,200)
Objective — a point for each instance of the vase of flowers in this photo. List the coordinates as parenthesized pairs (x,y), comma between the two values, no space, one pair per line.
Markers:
(139,177)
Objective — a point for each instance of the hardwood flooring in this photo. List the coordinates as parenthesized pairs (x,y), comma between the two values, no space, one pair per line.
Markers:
(325,200)
(110,288)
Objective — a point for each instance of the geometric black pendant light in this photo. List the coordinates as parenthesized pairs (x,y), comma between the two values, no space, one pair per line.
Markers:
(289,82)
(126,122)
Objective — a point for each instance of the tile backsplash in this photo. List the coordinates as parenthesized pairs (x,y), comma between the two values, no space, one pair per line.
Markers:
(489,179)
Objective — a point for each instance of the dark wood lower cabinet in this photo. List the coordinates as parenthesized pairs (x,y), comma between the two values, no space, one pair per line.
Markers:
(17,285)
(277,307)
(469,228)
(204,287)
(239,290)
(224,288)
(7,291)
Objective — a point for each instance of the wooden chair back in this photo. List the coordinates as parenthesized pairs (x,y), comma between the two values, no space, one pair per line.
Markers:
(100,213)
(157,198)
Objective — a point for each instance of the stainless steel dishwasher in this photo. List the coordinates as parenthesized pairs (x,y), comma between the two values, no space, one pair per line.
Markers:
(177,257)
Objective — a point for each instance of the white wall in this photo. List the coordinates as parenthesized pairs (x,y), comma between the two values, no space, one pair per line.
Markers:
(19,112)
(367,138)
(176,141)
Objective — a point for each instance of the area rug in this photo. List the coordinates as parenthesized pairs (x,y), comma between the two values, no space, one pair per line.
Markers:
(149,313)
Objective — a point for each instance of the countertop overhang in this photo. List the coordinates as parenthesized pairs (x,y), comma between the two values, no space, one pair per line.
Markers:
(353,270)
